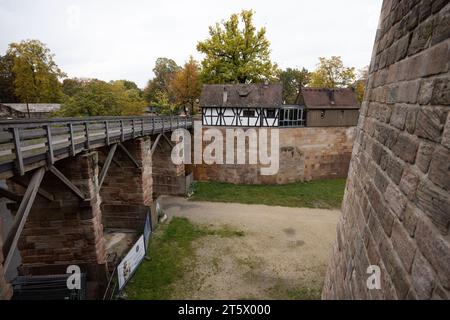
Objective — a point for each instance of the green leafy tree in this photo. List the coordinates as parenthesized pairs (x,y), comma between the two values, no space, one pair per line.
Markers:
(331,73)
(163,103)
(186,86)
(72,86)
(164,70)
(236,52)
(292,80)
(36,75)
(7,79)
(99,98)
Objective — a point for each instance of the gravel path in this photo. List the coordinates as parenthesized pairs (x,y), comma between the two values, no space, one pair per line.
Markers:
(283,254)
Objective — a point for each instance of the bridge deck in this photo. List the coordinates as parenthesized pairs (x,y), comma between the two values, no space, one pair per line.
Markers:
(29,144)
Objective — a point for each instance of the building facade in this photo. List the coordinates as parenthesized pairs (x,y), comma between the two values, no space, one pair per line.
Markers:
(329,108)
(307,152)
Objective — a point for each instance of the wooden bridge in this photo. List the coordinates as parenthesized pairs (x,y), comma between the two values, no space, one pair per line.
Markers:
(59,220)
(29,144)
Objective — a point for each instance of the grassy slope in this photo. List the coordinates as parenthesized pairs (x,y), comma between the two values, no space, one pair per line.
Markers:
(326,194)
(171,254)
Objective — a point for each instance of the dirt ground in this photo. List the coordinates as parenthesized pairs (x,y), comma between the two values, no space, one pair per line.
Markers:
(282,255)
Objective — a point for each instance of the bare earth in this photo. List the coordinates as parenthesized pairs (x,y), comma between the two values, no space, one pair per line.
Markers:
(283,253)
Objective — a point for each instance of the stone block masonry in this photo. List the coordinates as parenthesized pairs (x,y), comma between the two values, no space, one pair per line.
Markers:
(168,178)
(127,190)
(396,209)
(306,154)
(68,230)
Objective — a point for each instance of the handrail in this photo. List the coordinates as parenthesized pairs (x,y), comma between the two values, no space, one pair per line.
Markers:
(9,122)
(31,143)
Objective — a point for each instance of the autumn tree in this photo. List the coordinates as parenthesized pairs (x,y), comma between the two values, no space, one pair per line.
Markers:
(186,86)
(331,73)
(7,92)
(164,71)
(360,84)
(36,75)
(236,52)
(292,79)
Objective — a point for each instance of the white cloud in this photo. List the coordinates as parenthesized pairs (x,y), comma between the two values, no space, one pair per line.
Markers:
(122,39)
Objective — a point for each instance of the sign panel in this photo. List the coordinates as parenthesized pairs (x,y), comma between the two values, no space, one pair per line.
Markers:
(131,261)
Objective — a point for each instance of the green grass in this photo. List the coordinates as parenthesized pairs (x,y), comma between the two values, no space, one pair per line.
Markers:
(171,255)
(326,194)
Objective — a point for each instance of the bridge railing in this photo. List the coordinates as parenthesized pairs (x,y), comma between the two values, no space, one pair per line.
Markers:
(32,143)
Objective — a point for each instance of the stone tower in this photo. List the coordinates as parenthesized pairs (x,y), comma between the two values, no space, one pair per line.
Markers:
(396,210)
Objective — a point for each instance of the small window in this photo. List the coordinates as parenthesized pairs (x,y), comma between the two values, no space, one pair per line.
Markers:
(322,114)
(271,113)
(248,113)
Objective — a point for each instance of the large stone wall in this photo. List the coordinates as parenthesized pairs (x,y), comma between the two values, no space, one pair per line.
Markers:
(396,211)
(168,178)
(305,154)
(127,190)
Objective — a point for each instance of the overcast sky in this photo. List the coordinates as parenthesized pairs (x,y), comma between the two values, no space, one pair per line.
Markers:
(111,39)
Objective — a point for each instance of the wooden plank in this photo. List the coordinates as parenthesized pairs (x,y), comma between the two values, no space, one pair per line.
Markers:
(12,239)
(106,166)
(67,182)
(18,150)
(72,140)
(50,145)
(107,133)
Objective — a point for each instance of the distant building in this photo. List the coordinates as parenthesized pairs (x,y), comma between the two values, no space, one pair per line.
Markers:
(329,108)
(31,110)
(246,105)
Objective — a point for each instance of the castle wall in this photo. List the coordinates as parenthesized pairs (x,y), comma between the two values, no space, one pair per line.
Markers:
(396,210)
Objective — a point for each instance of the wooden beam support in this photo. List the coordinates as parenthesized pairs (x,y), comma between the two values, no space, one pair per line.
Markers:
(129,155)
(155,144)
(168,140)
(12,239)
(10,195)
(67,182)
(42,192)
(107,165)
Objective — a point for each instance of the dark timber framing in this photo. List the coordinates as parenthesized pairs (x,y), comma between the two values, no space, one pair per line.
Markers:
(240,117)
(29,144)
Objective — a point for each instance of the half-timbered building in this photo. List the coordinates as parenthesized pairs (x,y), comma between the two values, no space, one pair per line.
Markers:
(241,105)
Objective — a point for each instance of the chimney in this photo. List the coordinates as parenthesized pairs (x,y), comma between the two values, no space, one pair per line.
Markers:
(225,95)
